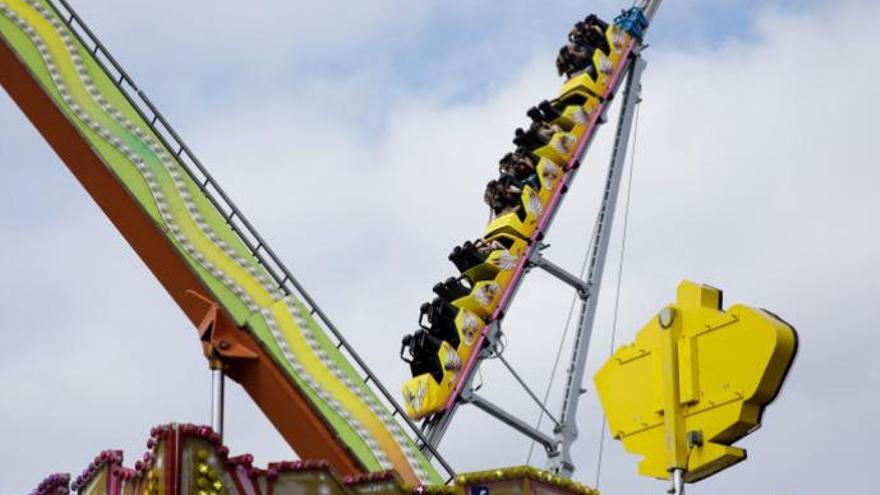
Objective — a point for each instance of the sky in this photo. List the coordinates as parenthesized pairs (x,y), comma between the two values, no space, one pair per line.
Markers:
(358,136)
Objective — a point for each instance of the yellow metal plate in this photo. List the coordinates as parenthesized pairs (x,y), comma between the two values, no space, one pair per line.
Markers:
(695,368)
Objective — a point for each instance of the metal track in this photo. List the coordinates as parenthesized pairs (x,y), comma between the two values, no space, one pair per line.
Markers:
(437,424)
(239,223)
(567,432)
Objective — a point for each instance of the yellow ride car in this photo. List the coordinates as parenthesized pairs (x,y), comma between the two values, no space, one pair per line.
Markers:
(423,394)
(523,223)
(605,65)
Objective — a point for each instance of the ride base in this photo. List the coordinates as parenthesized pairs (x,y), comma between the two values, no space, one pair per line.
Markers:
(185,459)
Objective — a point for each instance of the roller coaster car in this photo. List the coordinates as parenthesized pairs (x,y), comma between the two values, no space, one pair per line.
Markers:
(483,299)
(426,393)
(454,325)
(577,111)
(429,389)
(560,149)
(499,261)
(618,40)
(453,288)
(494,277)
(468,255)
(545,140)
(522,223)
(433,382)
(424,351)
(441,318)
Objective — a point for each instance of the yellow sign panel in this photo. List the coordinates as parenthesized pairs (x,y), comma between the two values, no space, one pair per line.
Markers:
(695,381)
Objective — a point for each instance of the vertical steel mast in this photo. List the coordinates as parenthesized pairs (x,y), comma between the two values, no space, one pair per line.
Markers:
(566,432)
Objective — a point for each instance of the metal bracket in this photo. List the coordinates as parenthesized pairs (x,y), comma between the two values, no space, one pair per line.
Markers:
(219,340)
(493,336)
(550,444)
(581,286)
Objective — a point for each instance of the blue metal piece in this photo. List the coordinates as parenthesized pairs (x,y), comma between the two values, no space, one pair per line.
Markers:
(633,21)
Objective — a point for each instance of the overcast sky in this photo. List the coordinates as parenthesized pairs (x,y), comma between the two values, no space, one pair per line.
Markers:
(358,136)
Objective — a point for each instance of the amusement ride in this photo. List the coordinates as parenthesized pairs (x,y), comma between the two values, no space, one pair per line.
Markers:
(694,381)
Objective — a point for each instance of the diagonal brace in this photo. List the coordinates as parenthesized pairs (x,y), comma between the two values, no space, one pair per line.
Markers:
(550,444)
(581,286)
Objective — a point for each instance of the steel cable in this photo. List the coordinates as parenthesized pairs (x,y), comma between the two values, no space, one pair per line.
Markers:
(619,278)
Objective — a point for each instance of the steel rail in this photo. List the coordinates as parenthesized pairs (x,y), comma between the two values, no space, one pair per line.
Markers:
(437,424)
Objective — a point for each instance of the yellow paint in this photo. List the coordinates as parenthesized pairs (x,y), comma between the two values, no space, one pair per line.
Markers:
(710,371)
(188,226)
(575,117)
(510,223)
(673,416)
(361,413)
(560,149)
(483,299)
(618,40)
(583,83)
(500,263)
(468,325)
(422,395)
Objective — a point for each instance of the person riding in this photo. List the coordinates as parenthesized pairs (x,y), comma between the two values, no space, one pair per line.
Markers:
(545,131)
(440,317)
(423,353)
(550,110)
(543,112)
(574,58)
(536,115)
(521,167)
(465,256)
(471,254)
(538,135)
(585,38)
(453,288)
(518,164)
(591,33)
(503,196)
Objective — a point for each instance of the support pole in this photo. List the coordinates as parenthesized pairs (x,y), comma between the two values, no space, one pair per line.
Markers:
(562,462)
(674,440)
(557,271)
(649,7)
(218,379)
(517,424)
(677,487)
(436,428)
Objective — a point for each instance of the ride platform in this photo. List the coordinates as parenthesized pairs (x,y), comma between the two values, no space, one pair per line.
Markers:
(186,459)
